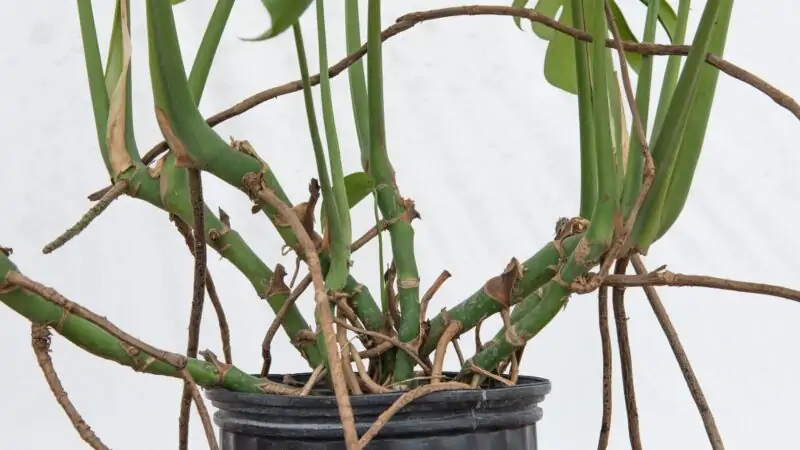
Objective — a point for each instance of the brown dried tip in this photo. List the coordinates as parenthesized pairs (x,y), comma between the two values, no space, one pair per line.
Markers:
(276,284)
(8,251)
(155,171)
(304,337)
(182,158)
(411,212)
(307,218)
(224,218)
(568,227)
(499,288)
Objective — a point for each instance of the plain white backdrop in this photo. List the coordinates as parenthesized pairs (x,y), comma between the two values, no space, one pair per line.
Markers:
(488,150)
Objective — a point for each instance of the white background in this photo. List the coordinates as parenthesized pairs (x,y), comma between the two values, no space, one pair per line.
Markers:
(487,149)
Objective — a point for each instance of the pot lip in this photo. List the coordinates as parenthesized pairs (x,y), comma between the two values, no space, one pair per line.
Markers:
(528,387)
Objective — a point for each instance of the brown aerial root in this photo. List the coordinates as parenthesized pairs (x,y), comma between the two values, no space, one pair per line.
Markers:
(255,186)
(667,278)
(605,342)
(401,402)
(271,387)
(377,350)
(408,21)
(513,376)
(450,332)
(372,233)
(349,375)
(459,353)
(40,341)
(173,359)
(426,298)
(370,384)
(198,296)
(391,295)
(623,228)
(113,193)
(382,337)
(625,358)
(211,289)
(478,343)
(480,373)
(316,375)
(692,383)
(277,285)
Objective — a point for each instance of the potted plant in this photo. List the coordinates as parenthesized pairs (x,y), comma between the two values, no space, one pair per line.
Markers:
(388,389)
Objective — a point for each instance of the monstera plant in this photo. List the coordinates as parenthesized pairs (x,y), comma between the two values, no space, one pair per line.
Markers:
(388,388)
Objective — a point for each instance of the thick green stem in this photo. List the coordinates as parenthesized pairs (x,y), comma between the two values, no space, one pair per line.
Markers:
(390,202)
(97,341)
(181,120)
(360,102)
(598,237)
(174,198)
(536,271)
(202,145)
(169,191)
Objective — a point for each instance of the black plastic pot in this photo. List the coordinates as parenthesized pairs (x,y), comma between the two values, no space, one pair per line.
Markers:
(497,418)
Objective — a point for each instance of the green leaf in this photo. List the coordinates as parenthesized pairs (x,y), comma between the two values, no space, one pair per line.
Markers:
(548,8)
(559,60)
(176,2)
(284,14)
(358,185)
(519,4)
(666,16)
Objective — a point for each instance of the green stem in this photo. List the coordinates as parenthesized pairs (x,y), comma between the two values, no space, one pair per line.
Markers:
(208,48)
(692,143)
(673,67)
(99,342)
(635,166)
(338,269)
(389,200)
(537,271)
(170,192)
(667,143)
(94,71)
(598,237)
(175,200)
(358,84)
(342,235)
(587,136)
(202,145)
